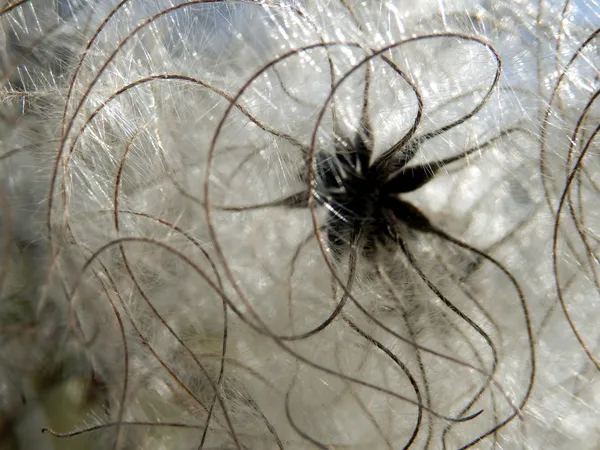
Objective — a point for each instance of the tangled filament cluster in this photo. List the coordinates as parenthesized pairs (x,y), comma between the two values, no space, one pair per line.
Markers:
(319,224)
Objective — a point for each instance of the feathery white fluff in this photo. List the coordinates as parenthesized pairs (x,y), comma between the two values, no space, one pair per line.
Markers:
(137,287)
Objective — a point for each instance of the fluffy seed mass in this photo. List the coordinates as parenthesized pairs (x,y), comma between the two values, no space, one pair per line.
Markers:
(299,224)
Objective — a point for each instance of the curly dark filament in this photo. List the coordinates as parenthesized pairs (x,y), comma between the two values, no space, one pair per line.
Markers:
(555,239)
(302,433)
(157,314)
(526,318)
(14,151)
(177,229)
(219,377)
(552,308)
(413,147)
(384,159)
(195,243)
(83,56)
(459,313)
(461,284)
(434,166)
(219,282)
(10,7)
(577,130)
(74,322)
(364,152)
(296,200)
(147,344)
(475,398)
(580,226)
(105,426)
(339,308)
(120,413)
(364,121)
(519,227)
(300,198)
(172,77)
(134,84)
(68,127)
(225,316)
(400,144)
(293,424)
(411,342)
(403,368)
(93,39)
(425,137)
(545,176)
(324,324)
(559,41)
(123,397)
(269,425)
(349,391)
(91,42)
(329,61)
(413,338)
(584,172)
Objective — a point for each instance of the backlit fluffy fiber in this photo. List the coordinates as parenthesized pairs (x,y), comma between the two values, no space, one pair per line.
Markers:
(156,293)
